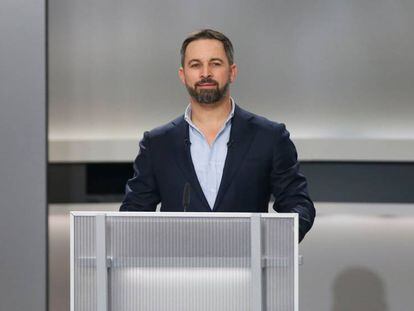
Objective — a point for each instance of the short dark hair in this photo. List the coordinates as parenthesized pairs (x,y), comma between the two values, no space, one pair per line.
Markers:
(208,34)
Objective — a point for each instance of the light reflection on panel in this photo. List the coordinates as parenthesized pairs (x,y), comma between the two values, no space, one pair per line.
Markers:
(180,289)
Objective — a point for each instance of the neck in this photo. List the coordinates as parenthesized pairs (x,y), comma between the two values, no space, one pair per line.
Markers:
(213,114)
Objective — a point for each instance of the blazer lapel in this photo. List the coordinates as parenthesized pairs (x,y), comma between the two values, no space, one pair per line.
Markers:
(183,157)
(241,136)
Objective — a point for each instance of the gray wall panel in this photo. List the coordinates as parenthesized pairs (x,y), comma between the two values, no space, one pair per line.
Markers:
(358,257)
(22,156)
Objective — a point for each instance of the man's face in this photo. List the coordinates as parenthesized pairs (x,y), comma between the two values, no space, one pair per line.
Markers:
(206,72)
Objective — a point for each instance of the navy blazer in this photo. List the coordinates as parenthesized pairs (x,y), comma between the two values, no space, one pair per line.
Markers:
(261,160)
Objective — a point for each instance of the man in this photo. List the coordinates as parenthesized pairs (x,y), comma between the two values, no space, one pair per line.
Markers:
(232,159)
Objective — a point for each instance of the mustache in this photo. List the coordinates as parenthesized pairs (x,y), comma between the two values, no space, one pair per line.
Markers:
(206,80)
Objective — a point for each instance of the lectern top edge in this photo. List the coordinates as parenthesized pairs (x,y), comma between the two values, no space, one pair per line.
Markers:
(186,214)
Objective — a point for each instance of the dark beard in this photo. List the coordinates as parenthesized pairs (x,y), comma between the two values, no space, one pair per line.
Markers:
(211,96)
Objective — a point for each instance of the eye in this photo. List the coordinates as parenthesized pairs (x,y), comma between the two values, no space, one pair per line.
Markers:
(216,64)
(194,65)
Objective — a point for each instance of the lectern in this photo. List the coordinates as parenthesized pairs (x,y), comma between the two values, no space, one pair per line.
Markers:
(184,261)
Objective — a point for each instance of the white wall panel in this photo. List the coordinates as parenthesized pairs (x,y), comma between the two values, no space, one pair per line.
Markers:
(328,69)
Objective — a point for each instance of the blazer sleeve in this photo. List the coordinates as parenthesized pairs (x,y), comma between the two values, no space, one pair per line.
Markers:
(141,193)
(289,186)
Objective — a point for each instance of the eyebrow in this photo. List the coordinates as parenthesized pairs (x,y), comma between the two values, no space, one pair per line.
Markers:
(210,60)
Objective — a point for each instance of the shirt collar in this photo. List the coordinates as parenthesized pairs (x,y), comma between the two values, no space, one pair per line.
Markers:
(187,113)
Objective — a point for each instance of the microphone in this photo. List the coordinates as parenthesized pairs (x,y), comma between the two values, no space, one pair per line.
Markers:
(186,196)
(187,142)
(230,143)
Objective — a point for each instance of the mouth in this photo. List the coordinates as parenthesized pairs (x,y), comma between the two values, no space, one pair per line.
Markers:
(206,85)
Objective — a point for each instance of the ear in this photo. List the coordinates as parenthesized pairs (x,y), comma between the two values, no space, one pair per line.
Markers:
(181,74)
(233,72)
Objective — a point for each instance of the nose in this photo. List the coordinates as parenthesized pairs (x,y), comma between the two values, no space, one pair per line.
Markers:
(206,72)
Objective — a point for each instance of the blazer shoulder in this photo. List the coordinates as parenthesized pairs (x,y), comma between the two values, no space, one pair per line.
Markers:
(262,123)
(163,130)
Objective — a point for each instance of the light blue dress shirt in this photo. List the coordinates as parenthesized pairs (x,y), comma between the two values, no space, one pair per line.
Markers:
(209,160)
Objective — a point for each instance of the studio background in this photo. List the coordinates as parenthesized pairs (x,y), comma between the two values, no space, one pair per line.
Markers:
(339,73)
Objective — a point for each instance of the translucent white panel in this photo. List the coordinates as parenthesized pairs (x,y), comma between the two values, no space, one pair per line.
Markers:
(84,264)
(177,262)
(278,251)
(173,263)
